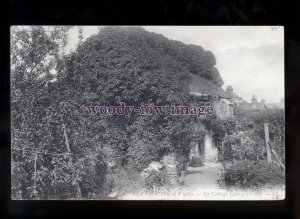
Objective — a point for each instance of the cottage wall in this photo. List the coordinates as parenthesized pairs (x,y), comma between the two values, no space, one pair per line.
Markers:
(223,108)
(211,150)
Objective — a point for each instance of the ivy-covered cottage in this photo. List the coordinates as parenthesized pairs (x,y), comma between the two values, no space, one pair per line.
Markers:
(205,90)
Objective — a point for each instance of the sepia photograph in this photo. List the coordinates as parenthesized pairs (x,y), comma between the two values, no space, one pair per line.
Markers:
(147,113)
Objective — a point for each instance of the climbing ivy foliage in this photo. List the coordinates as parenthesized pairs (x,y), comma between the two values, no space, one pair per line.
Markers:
(134,66)
(221,127)
(58,150)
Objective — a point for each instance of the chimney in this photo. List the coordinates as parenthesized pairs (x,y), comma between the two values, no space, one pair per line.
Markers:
(229,91)
(253,99)
(263,101)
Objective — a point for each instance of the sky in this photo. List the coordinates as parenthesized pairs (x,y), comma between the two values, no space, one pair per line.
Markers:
(249,58)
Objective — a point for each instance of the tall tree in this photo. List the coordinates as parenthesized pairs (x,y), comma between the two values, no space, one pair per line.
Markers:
(35,52)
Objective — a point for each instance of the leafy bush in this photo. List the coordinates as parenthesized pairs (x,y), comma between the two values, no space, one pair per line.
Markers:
(123,180)
(155,179)
(243,146)
(249,174)
(254,121)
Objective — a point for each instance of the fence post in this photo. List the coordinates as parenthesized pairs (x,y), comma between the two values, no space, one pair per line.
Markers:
(277,158)
(267,138)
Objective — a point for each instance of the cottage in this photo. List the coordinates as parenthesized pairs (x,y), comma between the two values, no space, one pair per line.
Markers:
(254,105)
(205,90)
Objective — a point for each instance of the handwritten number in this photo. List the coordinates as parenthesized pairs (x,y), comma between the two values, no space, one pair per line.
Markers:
(275,28)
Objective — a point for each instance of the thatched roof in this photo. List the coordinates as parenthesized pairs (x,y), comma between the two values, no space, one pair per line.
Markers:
(237,99)
(203,86)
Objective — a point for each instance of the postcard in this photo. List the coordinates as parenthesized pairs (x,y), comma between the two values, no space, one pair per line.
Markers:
(147,113)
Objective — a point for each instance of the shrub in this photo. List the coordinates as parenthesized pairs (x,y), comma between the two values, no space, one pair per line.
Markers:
(243,146)
(124,180)
(155,179)
(249,174)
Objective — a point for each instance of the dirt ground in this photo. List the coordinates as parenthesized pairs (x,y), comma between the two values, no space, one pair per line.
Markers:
(205,176)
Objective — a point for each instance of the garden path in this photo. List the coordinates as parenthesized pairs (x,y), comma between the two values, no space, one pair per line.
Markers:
(201,183)
(204,177)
